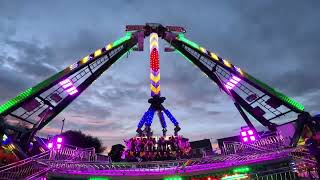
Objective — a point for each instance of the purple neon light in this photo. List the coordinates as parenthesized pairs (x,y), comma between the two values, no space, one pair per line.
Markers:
(68,86)
(232,82)
(59,139)
(58,146)
(236,78)
(247,134)
(50,145)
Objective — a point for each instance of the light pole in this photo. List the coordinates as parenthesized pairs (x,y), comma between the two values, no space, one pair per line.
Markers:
(62,125)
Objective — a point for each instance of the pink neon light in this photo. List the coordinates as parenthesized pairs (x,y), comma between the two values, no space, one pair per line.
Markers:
(252,138)
(59,139)
(243,133)
(250,132)
(236,78)
(50,145)
(73,92)
(245,139)
(230,84)
(233,81)
(71,89)
(228,87)
(64,82)
(67,85)
(58,146)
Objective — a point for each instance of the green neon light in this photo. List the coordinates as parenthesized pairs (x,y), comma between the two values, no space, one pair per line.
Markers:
(187,41)
(281,96)
(174,178)
(4,137)
(241,169)
(121,40)
(29,92)
(235,176)
(98,178)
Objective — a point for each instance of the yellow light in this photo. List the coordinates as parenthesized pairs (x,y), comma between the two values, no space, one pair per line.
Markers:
(214,56)
(203,50)
(108,47)
(154,35)
(227,63)
(239,70)
(155,90)
(97,53)
(155,78)
(154,44)
(85,59)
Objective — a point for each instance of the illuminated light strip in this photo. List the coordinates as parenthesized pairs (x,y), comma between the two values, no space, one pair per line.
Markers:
(97,52)
(65,82)
(71,89)
(236,78)
(187,41)
(235,176)
(214,56)
(281,96)
(203,50)
(154,36)
(238,69)
(67,85)
(73,92)
(227,63)
(230,84)
(154,44)
(154,89)
(73,66)
(108,47)
(154,65)
(234,81)
(228,87)
(85,59)
(155,78)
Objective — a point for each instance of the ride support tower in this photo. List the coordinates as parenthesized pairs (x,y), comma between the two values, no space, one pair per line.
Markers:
(156,100)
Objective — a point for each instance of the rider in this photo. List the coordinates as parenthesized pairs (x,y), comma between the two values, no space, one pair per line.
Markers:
(313,145)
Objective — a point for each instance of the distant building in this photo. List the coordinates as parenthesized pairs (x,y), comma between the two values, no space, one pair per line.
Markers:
(201,148)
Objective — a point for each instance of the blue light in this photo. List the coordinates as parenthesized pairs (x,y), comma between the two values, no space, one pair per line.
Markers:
(149,116)
(142,120)
(170,116)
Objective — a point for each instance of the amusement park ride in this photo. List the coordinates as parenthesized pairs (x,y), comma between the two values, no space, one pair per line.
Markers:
(39,105)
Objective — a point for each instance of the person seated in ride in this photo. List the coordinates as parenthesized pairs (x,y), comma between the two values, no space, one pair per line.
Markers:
(149,144)
(313,145)
(161,144)
(157,157)
(154,142)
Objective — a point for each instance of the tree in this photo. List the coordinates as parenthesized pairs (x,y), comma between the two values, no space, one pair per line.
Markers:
(116,152)
(79,139)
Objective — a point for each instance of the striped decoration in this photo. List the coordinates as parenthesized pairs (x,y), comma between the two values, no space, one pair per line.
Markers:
(154,65)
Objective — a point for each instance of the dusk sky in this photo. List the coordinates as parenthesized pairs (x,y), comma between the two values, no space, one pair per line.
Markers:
(277,42)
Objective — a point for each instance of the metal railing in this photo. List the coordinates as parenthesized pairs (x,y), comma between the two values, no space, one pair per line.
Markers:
(23,169)
(271,143)
(70,160)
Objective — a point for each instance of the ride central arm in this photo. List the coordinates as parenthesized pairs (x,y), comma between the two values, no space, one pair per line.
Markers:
(154,65)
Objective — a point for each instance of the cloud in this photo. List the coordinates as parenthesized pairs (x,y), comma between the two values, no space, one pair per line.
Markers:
(276,47)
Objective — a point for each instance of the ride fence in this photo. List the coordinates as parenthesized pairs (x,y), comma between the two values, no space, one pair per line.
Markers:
(271,143)
(72,160)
